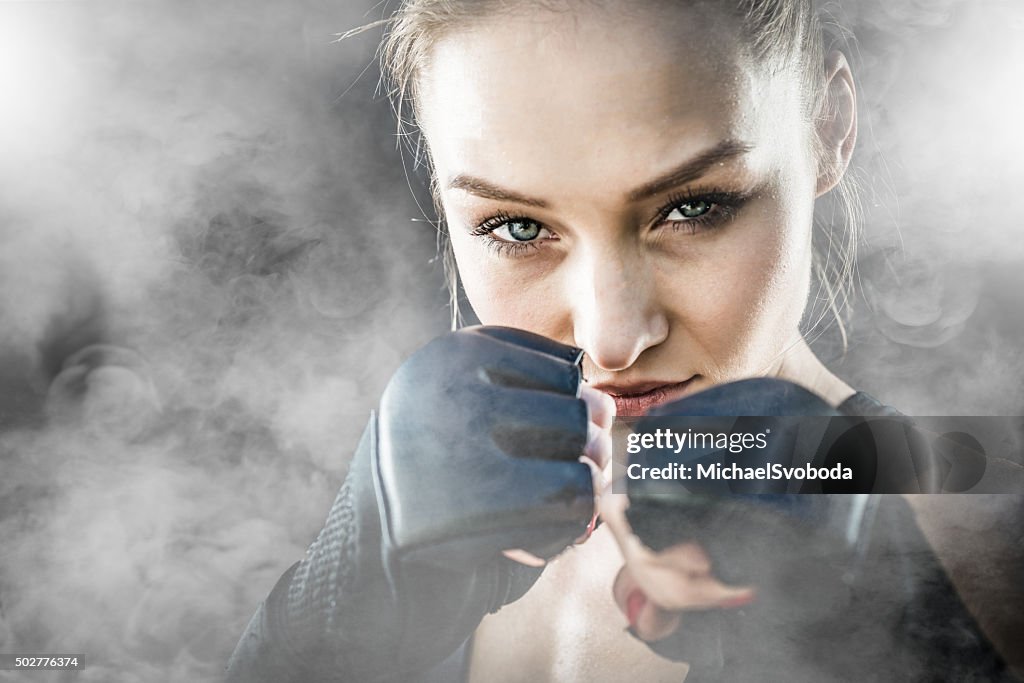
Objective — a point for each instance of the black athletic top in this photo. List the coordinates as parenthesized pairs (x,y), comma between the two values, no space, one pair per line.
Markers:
(908,626)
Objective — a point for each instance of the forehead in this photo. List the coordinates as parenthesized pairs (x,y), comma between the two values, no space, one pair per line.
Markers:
(523,97)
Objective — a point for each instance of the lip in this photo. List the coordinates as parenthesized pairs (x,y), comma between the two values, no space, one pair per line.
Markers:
(633,400)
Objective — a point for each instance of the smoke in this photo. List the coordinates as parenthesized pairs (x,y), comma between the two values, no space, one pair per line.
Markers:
(189,204)
(186,195)
(939,161)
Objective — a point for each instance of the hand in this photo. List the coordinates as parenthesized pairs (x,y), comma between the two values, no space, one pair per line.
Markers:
(846,587)
(488,424)
(597,455)
(709,578)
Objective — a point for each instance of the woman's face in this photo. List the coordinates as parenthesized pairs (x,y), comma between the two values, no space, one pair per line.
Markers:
(630,184)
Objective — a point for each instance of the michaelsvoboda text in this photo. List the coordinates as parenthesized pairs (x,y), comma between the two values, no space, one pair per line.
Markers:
(716,470)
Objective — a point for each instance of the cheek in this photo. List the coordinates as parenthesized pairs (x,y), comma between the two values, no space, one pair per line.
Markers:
(504,291)
(753,292)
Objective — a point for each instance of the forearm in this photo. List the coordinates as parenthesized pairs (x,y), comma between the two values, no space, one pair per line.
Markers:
(262,654)
(328,615)
(337,615)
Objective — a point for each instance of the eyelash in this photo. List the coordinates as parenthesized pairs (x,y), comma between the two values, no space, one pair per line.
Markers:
(504,247)
(724,206)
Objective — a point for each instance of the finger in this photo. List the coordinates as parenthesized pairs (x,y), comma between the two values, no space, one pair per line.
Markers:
(654,623)
(599,479)
(600,482)
(674,588)
(532,424)
(650,621)
(523,557)
(551,508)
(530,340)
(680,578)
(647,620)
(521,368)
(601,405)
(599,448)
(701,592)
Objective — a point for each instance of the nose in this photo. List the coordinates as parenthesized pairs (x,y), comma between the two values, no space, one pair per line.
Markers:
(616,310)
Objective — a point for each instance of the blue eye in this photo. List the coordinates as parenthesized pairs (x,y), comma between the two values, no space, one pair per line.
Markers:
(517,230)
(695,212)
(513,235)
(689,210)
(520,231)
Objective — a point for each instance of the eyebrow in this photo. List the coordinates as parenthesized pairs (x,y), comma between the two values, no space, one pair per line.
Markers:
(686,172)
(691,170)
(482,188)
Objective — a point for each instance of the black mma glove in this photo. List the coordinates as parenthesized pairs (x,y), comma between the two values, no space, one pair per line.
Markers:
(474,450)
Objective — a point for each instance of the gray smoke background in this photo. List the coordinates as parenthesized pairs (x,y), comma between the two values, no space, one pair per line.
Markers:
(207,197)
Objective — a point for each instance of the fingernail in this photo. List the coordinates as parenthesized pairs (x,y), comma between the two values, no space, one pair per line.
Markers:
(590,529)
(635,602)
(738,601)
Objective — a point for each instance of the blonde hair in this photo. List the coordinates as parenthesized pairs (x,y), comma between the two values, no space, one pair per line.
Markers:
(782,35)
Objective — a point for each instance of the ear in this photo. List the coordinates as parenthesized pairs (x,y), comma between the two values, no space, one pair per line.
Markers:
(836,123)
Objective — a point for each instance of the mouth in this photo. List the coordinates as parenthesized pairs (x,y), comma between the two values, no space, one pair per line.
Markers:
(633,400)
